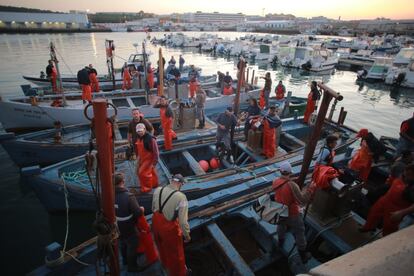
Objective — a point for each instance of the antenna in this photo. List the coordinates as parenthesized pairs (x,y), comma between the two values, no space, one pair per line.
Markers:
(263,12)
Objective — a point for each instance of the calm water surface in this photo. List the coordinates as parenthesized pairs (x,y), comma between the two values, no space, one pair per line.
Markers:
(27,227)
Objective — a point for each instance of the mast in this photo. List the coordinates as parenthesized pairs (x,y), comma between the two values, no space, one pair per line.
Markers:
(328,94)
(144,54)
(59,79)
(106,170)
(239,85)
(160,74)
(110,48)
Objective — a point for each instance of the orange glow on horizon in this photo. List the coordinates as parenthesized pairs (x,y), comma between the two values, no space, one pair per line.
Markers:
(348,10)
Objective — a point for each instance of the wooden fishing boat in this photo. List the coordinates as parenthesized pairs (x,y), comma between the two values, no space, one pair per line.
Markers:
(38,112)
(49,182)
(45,148)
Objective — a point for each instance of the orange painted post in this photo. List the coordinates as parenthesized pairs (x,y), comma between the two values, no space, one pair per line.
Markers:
(104,145)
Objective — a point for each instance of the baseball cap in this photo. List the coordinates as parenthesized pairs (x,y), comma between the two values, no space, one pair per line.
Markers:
(363,132)
(285,167)
(230,109)
(140,127)
(178,178)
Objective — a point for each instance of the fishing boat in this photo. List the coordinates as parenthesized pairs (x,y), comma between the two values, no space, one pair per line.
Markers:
(229,234)
(310,59)
(38,112)
(378,71)
(184,158)
(46,147)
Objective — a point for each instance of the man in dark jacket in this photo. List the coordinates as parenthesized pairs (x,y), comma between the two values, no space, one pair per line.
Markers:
(127,212)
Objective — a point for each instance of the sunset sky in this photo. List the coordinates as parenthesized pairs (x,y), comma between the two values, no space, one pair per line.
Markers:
(347,9)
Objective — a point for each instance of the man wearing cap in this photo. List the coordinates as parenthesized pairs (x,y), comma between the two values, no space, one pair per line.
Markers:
(137,118)
(170,225)
(323,172)
(127,213)
(225,123)
(288,193)
(147,151)
(406,141)
(362,160)
(271,121)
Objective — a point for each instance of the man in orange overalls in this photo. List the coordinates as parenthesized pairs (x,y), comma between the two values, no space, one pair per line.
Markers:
(394,205)
(313,96)
(126,78)
(93,77)
(167,119)
(150,76)
(51,74)
(147,151)
(280,91)
(170,225)
(270,122)
(85,83)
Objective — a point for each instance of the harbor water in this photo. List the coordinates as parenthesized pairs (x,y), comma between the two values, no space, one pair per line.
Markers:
(27,227)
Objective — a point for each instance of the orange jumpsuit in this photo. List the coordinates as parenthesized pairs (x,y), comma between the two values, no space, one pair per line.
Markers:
(280,92)
(86,92)
(150,78)
(146,169)
(391,202)
(192,87)
(169,133)
(262,101)
(227,90)
(94,82)
(53,79)
(146,243)
(126,84)
(310,107)
(169,239)
(269,140)
(361,162)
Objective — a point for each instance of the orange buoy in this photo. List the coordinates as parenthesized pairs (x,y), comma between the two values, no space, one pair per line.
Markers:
(214,163)
(204,165)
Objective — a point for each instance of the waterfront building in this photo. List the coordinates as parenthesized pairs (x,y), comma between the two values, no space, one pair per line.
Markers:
(25,20)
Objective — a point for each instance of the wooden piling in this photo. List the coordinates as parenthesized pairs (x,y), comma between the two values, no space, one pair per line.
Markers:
(328,94)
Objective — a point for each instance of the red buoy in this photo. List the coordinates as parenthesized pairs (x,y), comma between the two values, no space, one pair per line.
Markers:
(204,165)
(214,163)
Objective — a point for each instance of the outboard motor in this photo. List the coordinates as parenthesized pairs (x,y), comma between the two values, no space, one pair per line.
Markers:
(399,79)
(362,74)
(307,66)
(274,61)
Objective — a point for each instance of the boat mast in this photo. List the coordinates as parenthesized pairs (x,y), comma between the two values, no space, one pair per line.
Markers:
(58,79)
(144,54)
(328,94)
(239,85)
(110,48)
(160,74)
(104,145)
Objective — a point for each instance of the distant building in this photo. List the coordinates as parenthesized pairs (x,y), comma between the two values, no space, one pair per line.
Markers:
(214,17)
(24,20)
(387,26)
(270,25)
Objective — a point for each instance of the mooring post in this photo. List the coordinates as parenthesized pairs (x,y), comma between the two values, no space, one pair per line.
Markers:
(328,94)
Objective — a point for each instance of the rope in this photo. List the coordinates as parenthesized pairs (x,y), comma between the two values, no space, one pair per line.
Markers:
(120,57)
(61,58)
(61,258)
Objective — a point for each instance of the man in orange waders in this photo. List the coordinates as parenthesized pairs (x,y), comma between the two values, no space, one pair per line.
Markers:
(170,225)
(362,160)
(127,212)
(270,122)
(85,83)
(192,87)
(126,78)
(313,96)
(394,205)
(167,119)
(280,91)
(227,81)
(288,193)
(147,151)
(51,74)
(150,76)
(93,77)
(267,88)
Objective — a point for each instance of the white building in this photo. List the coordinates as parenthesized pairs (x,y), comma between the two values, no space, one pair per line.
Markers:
(213,18)
(25,20)
(271,24)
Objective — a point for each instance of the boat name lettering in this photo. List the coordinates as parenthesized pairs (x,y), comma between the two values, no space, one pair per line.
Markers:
(39,112)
